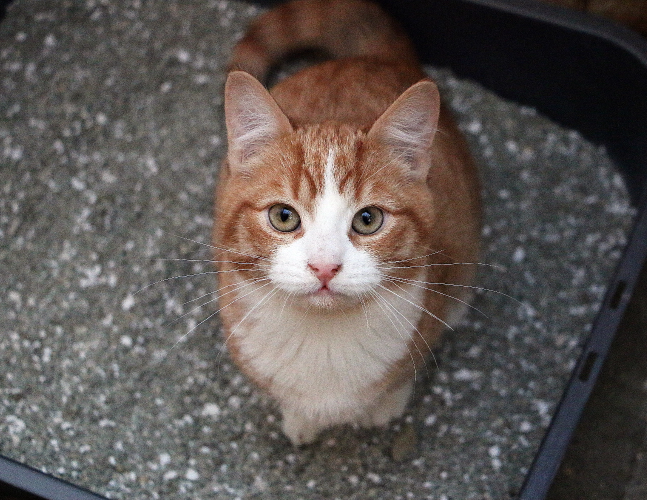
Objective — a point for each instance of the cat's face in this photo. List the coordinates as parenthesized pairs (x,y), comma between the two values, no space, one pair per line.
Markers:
(329,214)
(326,213)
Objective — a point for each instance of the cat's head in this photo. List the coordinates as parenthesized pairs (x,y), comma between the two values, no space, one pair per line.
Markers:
(329,210)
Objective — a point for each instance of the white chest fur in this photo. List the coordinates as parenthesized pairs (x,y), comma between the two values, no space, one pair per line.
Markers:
(325,365)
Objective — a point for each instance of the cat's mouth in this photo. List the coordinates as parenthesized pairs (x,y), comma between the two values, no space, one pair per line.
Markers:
(325,297)
(324,292)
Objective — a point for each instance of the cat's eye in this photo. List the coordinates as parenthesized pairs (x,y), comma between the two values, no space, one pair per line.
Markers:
(368,220)
(284,218)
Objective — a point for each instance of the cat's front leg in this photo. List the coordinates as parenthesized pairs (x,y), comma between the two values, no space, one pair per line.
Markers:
(390,406)
(300,429)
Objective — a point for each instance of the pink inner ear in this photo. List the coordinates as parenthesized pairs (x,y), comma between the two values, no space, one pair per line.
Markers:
(409,125)
(253,118)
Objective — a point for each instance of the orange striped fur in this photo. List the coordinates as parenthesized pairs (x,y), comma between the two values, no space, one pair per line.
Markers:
(332,320)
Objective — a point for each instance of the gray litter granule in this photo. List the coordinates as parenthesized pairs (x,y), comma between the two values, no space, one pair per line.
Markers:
(113,376)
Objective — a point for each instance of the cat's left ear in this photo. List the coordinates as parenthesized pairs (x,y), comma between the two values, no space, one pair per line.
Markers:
(253,118)
(409,125)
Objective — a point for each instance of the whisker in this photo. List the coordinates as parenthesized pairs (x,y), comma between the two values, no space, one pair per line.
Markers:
(413,258)
(216,247)
(236,284)
(401,280)
(235,287)
(268,295)
(174,278)
(288,296)
(191,311)
(443,264)
(429,349)
(479,288)
(244,284)
(363,302)
(418,306)
(214,262)
(211,316)
(190,276)
(297,351)
(375,336)
(379,301)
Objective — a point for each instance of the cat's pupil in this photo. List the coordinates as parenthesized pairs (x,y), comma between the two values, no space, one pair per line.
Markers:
(367,218)
(285,214)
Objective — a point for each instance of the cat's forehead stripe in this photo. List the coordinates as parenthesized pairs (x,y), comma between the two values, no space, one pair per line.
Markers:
(307,182)
(352,173)
(326,162)
(329,169)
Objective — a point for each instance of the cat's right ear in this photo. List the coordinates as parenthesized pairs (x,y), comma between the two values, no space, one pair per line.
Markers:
(253,118)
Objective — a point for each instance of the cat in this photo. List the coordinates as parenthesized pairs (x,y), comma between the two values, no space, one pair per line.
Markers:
(347,214)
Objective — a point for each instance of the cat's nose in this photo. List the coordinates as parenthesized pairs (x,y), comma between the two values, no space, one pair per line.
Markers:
(324,271)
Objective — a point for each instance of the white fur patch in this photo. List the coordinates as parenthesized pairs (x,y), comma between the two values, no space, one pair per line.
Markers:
(322,364)
(325,240)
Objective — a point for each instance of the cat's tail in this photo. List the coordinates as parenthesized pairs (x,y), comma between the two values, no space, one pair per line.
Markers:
(336,28)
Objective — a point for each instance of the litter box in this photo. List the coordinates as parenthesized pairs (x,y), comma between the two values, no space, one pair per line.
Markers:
(582,72)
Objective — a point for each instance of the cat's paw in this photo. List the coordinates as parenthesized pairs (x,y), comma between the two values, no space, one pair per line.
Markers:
(389,407)
(299,429)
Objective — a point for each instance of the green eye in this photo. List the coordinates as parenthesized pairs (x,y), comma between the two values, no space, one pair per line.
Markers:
(368,220)
(284,218)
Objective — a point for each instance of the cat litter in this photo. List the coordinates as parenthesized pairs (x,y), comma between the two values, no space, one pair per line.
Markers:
(111,135)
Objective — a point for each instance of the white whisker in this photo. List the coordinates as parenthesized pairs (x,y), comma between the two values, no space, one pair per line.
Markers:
(413,258)
(433,264)
(233,285)
(402,280)
(479,288)
(211,316)
(288,296)
(190,276)
(363,302)
(224,249)
(241,286)
(417,306)
(258,304)
(379,300)
(418,332)
(174,278)
(216,262)
(273,291)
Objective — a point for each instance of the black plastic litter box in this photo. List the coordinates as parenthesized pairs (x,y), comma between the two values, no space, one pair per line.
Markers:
(582,72)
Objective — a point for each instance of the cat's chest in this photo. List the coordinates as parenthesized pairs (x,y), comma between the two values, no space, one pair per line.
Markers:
(326,356)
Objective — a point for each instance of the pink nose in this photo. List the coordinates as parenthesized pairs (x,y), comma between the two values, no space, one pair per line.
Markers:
(324,271)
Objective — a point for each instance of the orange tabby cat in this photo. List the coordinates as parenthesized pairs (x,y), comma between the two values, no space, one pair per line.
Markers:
(345,207)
